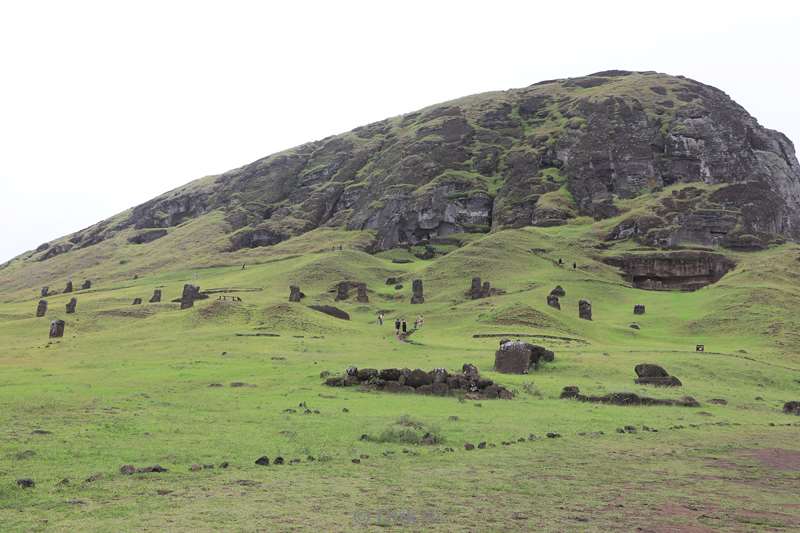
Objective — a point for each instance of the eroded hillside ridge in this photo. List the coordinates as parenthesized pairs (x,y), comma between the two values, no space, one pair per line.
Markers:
(539,155)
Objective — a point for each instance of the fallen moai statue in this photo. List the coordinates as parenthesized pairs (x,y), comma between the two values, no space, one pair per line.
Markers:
(624,398)
(517,357)
(648,374)
(332,311)
(437,382)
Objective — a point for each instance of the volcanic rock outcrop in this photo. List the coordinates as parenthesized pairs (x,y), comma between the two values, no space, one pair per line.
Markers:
(685,270)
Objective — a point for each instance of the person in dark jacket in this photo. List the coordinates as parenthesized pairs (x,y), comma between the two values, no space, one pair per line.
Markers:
(397,326)
(404,326)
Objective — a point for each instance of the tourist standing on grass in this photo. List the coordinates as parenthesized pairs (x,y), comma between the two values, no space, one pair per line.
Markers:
(404,327)
(380,319)
(397,326)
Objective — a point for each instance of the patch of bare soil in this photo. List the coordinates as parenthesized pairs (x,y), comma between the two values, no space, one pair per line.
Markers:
(777,458)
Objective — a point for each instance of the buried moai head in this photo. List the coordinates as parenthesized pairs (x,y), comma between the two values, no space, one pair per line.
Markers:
(57,329)
(156,298)
(45,292)
(417,296)
(295,294)
(475,288)
(73,302)
(68,288)
(585,309)
(638,309)
(361,294)
(559,291)
(87,284)
(190,294)
(41,309)
(552,301)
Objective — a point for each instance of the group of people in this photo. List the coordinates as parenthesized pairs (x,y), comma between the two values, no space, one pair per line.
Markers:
(561,263)
(400,323)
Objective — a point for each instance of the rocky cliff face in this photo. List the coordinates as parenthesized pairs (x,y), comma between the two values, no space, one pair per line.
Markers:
(533,156)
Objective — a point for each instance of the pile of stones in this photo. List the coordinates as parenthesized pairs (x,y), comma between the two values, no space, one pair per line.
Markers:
(517,357)
(624,398)
(437,382)
(647,374)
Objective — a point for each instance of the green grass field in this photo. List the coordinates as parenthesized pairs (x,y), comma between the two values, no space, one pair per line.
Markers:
(132,385)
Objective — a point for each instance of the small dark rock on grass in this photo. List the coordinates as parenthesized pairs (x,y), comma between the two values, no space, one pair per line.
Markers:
(469,446)
(26,483)
(278,460)
(263,460)
(553,435)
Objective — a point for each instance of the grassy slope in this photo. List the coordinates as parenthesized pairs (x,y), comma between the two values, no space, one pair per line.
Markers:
(131,385)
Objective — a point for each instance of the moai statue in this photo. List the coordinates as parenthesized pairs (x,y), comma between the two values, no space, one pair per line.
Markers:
(41,309)
(68,288)
(45,292)
(475,288)
(73,302)
(552,301)
(361,296)
(190,294)
(585,309)
(638,309)
(137,301)
(87,284)
(559,291)
(295,294)
(56,329)
(342,290)
(156,298)
(486,290)
(417,297)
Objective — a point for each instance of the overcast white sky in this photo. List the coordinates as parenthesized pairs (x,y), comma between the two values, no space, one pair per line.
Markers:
(104,105)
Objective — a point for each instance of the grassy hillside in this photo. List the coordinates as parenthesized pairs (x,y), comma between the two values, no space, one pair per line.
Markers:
(134,385)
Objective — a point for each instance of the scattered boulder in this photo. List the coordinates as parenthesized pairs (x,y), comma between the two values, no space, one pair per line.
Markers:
(156,297)
(87,284)
(332,311)
(552,301)
(295,295)
(517,357)
(392,281)
(73,302)
(558,291)
(792,408)
(625,398)
(648,374)
(638,309)
(68,288)
(417,296)
(41,309)
(57,329)
(137,301)
(585,309)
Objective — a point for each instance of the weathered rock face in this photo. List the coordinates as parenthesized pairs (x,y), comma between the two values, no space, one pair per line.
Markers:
(41,309)
(57,329)
(585,309)
(156,296)
(295,295)
(538,155)
(143,237)
(71,305)
(684,270)
(417,296)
